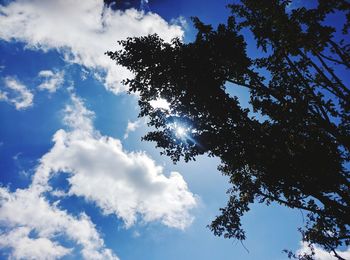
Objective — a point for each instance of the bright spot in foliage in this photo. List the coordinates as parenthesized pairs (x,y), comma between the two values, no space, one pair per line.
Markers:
(181,132)
(160,103)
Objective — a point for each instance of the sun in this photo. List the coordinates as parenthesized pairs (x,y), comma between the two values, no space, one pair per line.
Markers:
(181,132)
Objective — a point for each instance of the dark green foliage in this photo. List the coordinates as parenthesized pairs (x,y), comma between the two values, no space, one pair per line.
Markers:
(297,157)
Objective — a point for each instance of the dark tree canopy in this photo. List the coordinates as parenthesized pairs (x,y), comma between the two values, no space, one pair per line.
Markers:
(298,153)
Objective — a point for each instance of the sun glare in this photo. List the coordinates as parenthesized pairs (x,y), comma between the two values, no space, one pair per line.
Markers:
(180,131)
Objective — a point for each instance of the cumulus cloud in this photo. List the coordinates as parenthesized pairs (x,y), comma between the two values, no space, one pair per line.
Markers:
(51,81)
(126,184)
(16,93)
(26,210)
(29,248)
(81,30)
(321,254)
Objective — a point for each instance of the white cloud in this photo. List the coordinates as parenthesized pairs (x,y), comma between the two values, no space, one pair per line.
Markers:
(29,248)
(123,183)
(16,93)
(160,103)
(77,117)
(181,21)
(27,210)
(321,254)
(136,234)
(51,81)
(131,127)
(81,30)
(3,96)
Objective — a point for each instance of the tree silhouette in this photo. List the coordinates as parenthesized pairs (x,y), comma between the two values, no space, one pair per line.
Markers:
(297,153)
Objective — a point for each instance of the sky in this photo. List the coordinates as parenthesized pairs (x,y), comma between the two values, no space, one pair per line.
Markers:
(76,181)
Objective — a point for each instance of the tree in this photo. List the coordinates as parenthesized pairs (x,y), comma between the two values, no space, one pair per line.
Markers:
(297,152)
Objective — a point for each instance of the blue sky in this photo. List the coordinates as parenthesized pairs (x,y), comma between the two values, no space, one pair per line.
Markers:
(76,181)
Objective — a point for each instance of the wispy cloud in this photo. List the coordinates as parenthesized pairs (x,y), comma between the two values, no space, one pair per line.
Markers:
(50,80)
(16,93)
(131,127)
